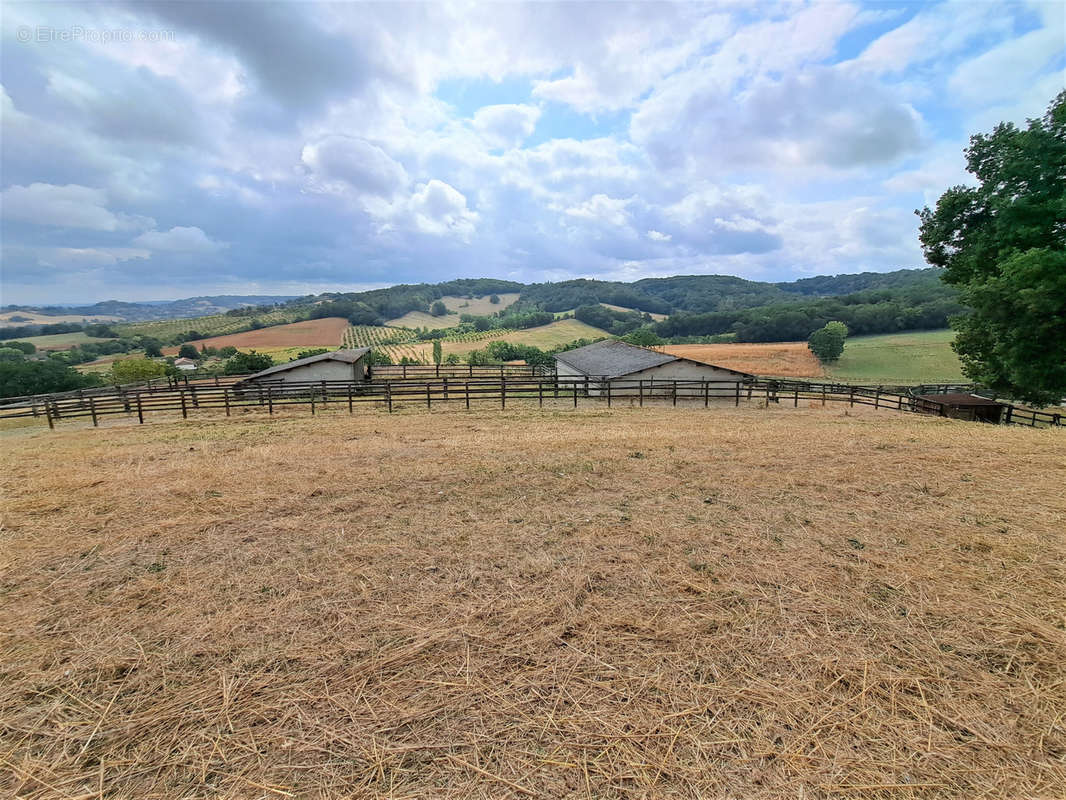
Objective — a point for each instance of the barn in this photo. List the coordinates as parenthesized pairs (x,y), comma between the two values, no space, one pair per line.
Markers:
(337,365)
(631,370)
(961,405)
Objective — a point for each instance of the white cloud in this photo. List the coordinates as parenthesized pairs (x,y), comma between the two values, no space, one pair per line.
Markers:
(601,208)
(88,257)
(506,125)
(659,236)
(179,240)
(440,210)
(363,166)
(69,206)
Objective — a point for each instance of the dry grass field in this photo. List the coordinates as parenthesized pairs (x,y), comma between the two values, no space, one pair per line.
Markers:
(656,603)
(326,332)
(779,359)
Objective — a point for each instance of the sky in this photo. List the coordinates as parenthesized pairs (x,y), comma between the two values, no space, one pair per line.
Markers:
(157,150)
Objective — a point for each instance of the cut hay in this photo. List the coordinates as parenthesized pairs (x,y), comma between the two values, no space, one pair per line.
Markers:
(722,603)
(777,359)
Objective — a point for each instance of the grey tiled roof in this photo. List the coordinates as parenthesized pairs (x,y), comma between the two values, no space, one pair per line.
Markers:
(347,356)
(612,358)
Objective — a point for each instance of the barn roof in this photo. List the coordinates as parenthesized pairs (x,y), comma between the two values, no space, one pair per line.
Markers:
(960,399)
(346,356)
(612,358)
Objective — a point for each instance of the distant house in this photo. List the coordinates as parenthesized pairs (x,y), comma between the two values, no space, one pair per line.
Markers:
(338,365)
(624,366)
(185,364)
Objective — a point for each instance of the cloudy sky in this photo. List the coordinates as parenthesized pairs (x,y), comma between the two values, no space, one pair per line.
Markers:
(157,150)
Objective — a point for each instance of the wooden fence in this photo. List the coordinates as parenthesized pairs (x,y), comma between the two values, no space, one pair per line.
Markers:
(197,397)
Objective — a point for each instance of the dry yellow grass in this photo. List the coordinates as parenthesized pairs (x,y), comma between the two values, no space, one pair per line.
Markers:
(456,306)
(779,359)
(655,603)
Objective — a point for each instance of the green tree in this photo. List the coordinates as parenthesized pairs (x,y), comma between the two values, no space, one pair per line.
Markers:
(153,348)
(827,343)
(29,348)
(1003,244)
(314,351)
(134,370)
(644,337)
(242,363)
(188,351)
(11,354)
(494,299)
(438,353)
(438,309)
(19,378)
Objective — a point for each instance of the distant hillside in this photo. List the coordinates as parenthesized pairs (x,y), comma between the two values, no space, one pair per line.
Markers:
(160,309)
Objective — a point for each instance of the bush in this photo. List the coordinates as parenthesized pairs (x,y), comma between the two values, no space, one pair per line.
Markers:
(494,299)
(247,362)
(11,354)
(26,347)
(438,309)
(188,351)
(134,370)
(315,351)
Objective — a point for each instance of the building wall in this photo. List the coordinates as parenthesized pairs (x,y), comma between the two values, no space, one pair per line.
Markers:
(676,371)
(325,370)
(671,371)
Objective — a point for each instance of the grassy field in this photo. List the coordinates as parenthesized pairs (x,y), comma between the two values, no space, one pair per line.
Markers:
(60,341)
(778,359)
(456,305)
(542,336)
(656,317)
(634,604)
(325,332)
(918,357)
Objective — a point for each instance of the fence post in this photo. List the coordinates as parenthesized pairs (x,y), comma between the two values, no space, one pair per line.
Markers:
(225,399)
(1010,411)
(48,413)
(503,389)
(312,400)
(270,400)
(325,394)
(823,394)
(706,394)
(852,395)
(608,394)
(738,395)
(466,387)
(195,400)
(184,408)
(575,392)
(92,410)
(445,384)
(350,387)
(641,390)
(388,394)
(140,410)
(428,401)
(540,394)
(796,398)
(586,386)
(675,393)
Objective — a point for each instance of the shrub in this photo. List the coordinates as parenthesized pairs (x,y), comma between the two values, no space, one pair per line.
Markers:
(247,362)
(41,377)
(133,370)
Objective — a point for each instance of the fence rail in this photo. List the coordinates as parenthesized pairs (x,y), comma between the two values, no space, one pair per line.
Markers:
(196,397)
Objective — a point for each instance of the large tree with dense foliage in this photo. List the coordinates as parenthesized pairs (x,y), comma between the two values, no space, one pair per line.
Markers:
(1003,243)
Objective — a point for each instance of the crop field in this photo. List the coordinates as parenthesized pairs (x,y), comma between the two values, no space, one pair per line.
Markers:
(59,341)
(325,332)
(374,335)
(213,324)
(543,336)
(723,603)
(777,359)
(456,305)
(918,357)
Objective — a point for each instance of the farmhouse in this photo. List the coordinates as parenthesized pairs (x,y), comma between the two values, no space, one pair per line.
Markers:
(338,365)
(185,364)
(630,370)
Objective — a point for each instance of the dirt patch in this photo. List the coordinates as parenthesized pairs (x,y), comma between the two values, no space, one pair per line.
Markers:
(326,332)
